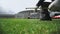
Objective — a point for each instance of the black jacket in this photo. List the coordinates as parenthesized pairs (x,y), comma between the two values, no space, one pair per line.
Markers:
(42,3)
(39,2)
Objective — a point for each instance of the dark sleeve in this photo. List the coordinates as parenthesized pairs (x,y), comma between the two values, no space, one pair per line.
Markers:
(39,2)
(52,0)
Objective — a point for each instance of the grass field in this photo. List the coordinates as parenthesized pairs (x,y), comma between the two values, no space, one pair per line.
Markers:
(29,26)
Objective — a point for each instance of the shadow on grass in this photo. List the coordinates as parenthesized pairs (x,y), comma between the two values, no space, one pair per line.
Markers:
(1,30)
(56,32)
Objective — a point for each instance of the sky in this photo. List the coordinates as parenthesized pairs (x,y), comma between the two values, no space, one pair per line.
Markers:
(15,6)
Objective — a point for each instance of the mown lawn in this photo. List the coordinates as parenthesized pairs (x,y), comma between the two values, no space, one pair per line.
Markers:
(29,26)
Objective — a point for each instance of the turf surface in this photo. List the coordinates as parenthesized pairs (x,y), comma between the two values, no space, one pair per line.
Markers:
(29,26)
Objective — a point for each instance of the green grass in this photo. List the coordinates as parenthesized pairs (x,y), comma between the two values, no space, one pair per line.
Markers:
(29,26)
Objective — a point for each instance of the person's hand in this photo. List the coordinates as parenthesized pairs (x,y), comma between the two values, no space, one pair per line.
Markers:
(36,9)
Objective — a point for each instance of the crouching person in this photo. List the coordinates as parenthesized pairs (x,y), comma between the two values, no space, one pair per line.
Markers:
(44,13)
